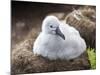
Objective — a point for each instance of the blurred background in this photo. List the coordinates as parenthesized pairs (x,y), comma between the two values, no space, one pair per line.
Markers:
(29,15)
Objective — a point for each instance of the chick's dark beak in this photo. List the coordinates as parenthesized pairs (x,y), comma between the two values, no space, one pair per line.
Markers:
(58,32)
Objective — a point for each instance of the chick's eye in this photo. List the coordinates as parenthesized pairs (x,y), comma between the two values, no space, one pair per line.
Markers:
(51,26)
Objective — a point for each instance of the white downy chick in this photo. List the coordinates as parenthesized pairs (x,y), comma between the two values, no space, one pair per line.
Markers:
(58,40)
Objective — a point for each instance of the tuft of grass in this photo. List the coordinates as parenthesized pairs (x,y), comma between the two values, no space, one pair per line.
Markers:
(92,57)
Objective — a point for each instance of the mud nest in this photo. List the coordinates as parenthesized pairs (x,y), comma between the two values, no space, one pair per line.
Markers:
(23,61)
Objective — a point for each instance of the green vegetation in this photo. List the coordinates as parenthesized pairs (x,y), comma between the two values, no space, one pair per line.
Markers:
(92,57)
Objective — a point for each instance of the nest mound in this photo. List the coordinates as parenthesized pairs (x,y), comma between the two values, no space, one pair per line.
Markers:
(23,60)
(84,20)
